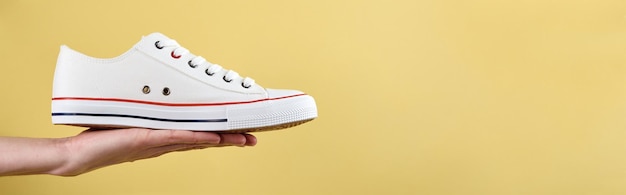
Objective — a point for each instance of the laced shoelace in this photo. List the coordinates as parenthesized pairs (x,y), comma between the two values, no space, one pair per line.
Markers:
(198,60)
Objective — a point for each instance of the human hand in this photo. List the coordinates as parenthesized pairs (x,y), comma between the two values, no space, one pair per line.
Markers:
(93,149)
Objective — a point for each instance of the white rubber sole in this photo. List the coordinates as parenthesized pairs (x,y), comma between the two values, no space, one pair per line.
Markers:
(262,115)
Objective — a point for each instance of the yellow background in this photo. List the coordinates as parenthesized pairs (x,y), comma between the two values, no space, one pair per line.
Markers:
(414,97)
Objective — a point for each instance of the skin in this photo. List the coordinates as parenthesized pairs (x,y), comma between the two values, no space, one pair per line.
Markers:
(93,149)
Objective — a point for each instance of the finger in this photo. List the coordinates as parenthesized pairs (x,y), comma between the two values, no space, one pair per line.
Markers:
(234,139)
(172,137)
(182,147)
(250,140)
(158,151)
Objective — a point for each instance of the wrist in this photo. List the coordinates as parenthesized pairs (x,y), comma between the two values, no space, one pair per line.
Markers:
(27,156)
(59,148)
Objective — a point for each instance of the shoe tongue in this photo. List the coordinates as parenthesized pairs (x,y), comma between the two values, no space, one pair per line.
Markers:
(157,35)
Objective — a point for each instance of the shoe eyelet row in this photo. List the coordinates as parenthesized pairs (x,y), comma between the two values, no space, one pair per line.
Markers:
(166,91)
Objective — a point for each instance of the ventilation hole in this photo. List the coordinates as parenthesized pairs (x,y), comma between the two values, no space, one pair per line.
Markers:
(146,89)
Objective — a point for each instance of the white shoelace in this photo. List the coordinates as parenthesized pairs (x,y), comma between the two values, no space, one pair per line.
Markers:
(210,70)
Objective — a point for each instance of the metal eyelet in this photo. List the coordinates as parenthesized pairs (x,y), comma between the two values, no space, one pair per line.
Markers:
(175,56)
(146,89)
(192,65)
(166,91)
(244,86)
(228,81)
(208,73)
(156,44)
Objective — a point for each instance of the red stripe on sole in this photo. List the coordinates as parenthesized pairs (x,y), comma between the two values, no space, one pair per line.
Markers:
(169,104)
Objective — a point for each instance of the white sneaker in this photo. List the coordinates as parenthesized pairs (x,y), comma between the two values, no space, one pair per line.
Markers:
(160,85)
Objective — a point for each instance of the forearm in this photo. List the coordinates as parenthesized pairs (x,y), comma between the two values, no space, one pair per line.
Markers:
(23,156)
